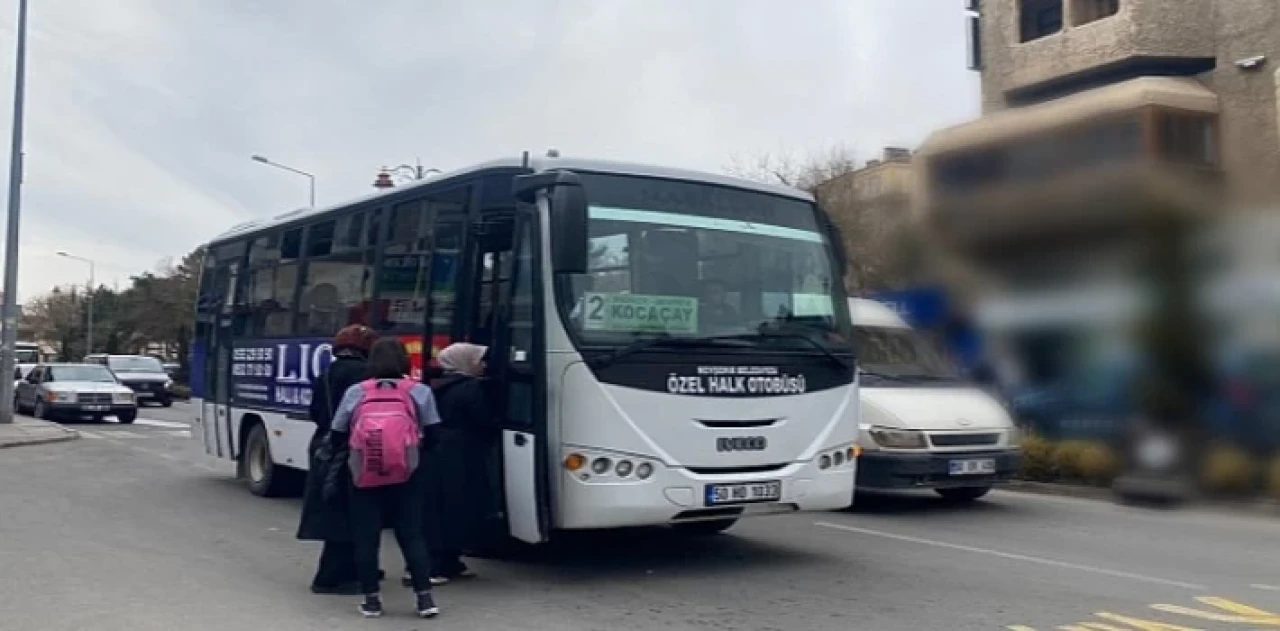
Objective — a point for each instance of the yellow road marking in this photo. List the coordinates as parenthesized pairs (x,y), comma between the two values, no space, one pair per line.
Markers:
(1144,625)
(1239,613)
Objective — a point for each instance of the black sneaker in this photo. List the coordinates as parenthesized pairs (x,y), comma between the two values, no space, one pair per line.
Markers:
(427,606)
(372,606)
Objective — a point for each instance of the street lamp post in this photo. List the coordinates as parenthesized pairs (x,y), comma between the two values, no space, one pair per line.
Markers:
(10,315)
(88,336)
(277,165)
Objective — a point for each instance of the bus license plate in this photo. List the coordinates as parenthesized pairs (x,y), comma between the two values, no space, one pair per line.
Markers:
(985,466)
(717,494)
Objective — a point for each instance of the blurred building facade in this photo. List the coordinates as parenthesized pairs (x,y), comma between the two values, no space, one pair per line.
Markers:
(1099,117)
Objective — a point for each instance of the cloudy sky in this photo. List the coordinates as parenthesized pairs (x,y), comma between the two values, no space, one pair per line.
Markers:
(142,114)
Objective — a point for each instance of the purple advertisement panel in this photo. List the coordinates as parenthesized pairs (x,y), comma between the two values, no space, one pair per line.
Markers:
(277,374)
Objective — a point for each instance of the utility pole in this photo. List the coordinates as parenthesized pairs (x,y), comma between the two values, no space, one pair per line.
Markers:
(10,316)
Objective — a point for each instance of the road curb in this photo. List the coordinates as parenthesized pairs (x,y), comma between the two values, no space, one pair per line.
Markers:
(63,435)
(1260,505)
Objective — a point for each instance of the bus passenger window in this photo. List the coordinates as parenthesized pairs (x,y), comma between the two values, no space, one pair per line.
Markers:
(335,291)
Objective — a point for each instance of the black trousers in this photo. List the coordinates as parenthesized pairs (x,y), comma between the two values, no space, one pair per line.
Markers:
(337,565)
(400,508)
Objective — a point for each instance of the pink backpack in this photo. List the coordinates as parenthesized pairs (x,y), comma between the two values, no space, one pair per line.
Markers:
(384,435)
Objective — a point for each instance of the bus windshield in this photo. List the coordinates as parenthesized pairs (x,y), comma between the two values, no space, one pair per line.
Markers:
(682,259)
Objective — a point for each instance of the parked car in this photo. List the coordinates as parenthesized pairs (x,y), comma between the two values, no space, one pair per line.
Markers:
(145,375)
(923,426)
(62,390)
(20,372)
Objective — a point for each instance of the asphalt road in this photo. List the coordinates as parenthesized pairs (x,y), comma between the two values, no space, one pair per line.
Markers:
(130,528)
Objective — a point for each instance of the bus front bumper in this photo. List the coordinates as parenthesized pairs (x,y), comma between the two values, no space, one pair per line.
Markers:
(675,495)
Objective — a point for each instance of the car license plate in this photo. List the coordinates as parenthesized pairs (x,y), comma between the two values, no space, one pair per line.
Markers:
(95,408)
(142,394)
(985,466)
(770,491)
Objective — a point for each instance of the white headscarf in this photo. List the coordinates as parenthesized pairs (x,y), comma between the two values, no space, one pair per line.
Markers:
(463,357)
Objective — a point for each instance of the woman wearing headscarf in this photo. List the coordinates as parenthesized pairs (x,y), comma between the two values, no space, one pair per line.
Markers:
(327,520)
(458,488)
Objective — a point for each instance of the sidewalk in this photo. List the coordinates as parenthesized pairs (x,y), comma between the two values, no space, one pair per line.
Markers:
(27,431)
(1262,505)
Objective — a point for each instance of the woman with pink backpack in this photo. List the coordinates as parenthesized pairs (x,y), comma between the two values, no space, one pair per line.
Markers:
(381,431)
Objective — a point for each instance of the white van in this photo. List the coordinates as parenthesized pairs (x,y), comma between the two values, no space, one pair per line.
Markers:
(922,426)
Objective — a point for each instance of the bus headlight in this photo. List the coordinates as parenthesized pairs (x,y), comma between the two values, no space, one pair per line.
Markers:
(644,471)
(824,462)
(601,465)
(623,469)
(897,438)
(573,462)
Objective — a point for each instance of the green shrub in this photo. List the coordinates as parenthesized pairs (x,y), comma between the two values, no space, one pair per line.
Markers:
(1066,459)
(1097,464)
(1228,469)
(1273,477)
(1037,459)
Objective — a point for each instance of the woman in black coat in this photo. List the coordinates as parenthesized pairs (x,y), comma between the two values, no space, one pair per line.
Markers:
(458,488)
(327,520)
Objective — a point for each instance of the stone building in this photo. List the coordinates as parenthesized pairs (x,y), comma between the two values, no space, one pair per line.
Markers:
(1100,116)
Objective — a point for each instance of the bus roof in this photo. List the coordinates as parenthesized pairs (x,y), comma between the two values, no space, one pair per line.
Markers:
(535,164)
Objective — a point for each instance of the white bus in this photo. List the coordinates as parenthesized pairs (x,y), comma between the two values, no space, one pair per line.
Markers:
(672,347)
(27,353)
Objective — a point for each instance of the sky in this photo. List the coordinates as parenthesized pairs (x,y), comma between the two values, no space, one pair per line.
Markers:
(142,115)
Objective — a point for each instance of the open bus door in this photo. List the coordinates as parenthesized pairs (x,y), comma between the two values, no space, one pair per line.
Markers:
(522,373)
(504,264)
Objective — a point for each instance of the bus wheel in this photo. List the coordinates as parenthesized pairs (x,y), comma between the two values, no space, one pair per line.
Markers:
(259,471)
(705,528)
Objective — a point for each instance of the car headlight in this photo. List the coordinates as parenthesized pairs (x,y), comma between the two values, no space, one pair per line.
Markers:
(168,385)
(122,397)
(897,438)
(62,396)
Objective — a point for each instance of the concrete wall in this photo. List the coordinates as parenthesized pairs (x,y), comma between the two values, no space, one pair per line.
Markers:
(1181,28)
(1227,30)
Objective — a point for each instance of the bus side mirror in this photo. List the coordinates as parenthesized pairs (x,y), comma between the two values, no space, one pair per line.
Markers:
(837,242)
(568,216)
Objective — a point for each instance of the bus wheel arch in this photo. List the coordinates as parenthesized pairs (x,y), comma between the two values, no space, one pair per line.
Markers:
(256,466)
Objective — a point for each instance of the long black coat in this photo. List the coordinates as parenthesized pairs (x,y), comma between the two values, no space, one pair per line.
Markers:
(459,487)
(321,520)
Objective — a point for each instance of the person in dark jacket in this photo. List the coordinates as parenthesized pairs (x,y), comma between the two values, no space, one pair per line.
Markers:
(399,506)
(321,520)
(457,477)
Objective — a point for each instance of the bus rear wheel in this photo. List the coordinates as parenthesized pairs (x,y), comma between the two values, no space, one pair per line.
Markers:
(259,470)
(705,528)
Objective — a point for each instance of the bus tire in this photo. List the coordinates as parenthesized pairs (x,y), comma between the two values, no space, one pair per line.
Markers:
(260,472)
(705,528)
(964,493)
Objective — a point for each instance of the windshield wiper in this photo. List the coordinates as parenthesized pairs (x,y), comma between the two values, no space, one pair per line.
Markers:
(665,339)
(769,330)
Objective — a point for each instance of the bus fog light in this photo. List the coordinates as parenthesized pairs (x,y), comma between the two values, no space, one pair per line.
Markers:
(644,470)
(573,462)
(601,465)
(839,458)
(824,462)
(623,469)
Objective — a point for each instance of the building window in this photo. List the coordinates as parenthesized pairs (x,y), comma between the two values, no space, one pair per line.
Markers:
(1086,11)
(1039,18)
(1187,138)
